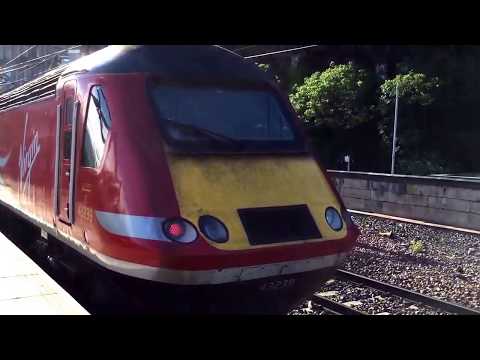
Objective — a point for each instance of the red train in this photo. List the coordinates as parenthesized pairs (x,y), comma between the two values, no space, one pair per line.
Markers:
(179,165)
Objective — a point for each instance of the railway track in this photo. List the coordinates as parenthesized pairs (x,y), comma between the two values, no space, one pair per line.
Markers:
(335,308)
(392,290)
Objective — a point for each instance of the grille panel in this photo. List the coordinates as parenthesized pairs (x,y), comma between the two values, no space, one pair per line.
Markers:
(272,225)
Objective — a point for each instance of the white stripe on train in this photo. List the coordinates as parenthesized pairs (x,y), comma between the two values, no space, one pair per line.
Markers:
(228,275)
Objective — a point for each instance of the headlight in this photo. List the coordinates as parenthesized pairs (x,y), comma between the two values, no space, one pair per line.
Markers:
(334,220)
(179,230)
(213,228)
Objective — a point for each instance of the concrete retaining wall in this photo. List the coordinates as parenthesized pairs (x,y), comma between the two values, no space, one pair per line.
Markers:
(438,200)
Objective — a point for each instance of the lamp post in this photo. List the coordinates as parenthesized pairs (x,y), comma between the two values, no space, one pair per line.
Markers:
(347,160)
(395,130)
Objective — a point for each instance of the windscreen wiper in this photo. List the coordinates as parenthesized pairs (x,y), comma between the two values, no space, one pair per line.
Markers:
(212,135)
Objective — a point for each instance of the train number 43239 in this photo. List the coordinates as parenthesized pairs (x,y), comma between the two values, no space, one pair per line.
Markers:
(277,285)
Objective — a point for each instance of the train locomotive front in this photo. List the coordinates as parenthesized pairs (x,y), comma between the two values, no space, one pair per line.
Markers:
(190,170)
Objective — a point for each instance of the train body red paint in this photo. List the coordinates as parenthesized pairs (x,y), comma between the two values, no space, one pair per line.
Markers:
(89,154)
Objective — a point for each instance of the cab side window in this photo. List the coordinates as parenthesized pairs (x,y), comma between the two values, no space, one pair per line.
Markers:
(98,124)
(67,135)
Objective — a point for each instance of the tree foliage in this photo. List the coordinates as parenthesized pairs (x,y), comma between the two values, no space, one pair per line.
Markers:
(264,67)
(413,87)
(438,108)
(268,69)
(334,97)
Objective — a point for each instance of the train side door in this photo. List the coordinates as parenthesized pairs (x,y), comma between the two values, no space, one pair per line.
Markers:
(65,165)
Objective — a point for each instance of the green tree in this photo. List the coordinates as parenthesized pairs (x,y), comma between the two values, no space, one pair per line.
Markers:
(413,87)
(335,98)
(442,123)
(337,106)
(416,93)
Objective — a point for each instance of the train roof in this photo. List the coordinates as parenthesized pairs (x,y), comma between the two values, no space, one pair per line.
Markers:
(172,62)
(179,63)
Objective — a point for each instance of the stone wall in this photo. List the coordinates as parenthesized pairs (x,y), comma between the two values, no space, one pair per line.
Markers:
(438,200)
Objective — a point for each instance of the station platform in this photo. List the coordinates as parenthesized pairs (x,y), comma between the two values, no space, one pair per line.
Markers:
(25,289)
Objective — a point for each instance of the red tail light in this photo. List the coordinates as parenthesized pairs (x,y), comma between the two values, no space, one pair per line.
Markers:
(175,229)
(180,230)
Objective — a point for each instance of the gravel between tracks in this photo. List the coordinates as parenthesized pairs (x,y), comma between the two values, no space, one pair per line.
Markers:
(448,266)
(370,301)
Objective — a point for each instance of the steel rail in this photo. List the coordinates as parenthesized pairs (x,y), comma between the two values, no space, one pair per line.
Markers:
(335,307)
(407,294)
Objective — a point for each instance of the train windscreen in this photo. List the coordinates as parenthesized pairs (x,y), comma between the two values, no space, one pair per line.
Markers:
(221,119)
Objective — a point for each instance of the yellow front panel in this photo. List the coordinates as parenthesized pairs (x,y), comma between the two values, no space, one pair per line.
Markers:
(219,185)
